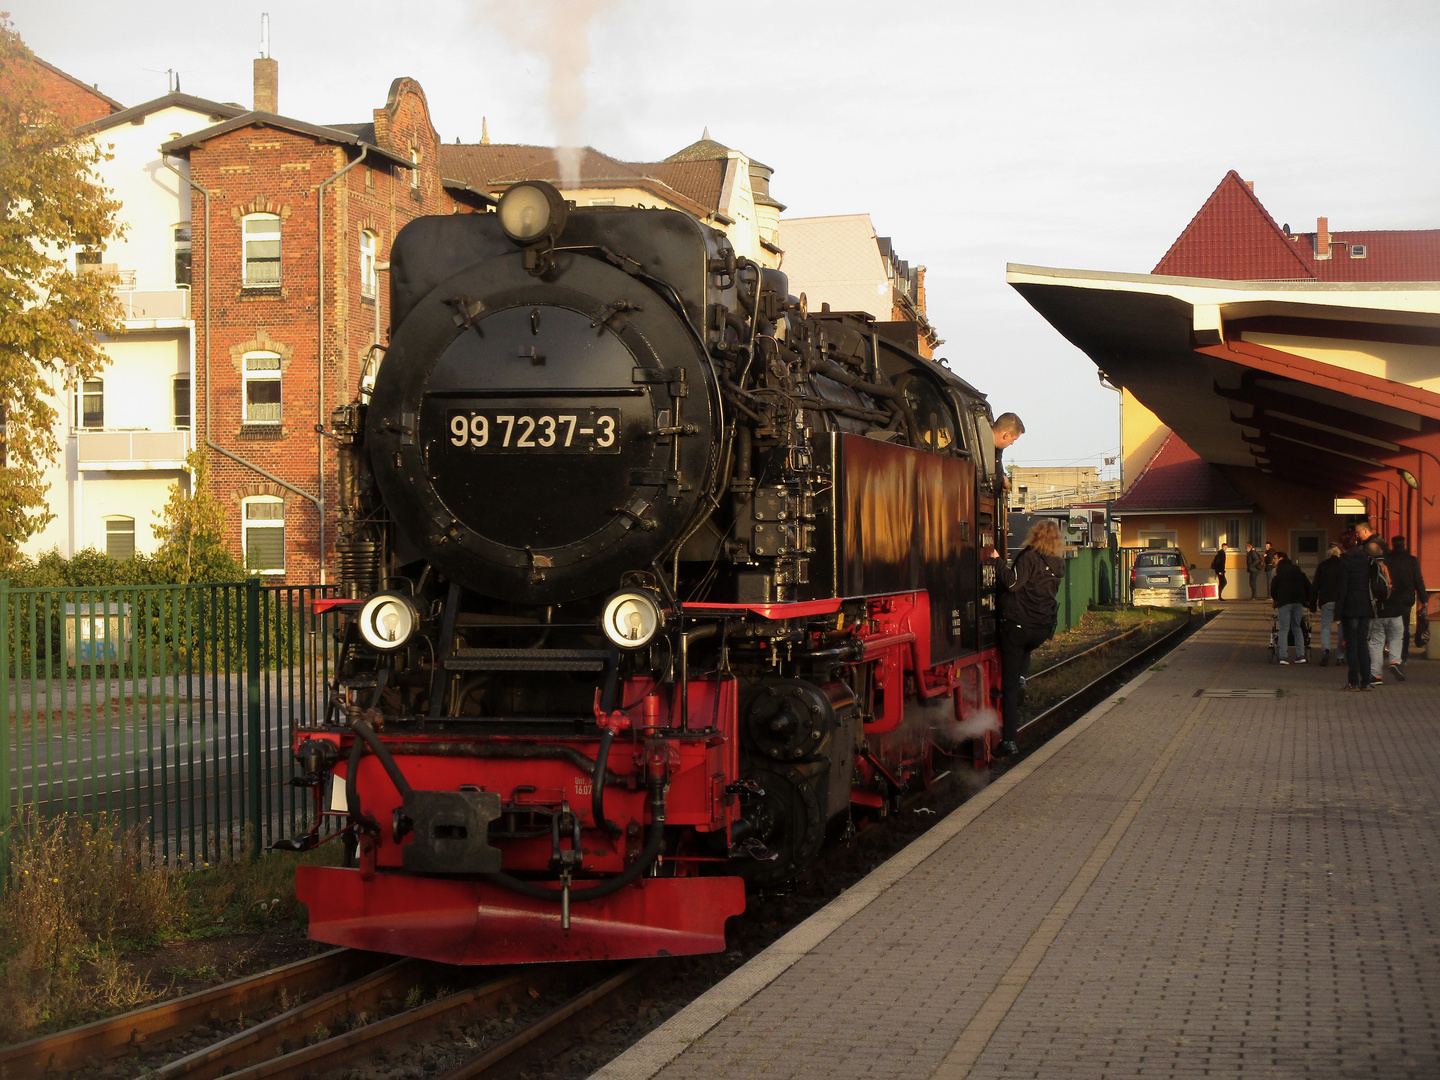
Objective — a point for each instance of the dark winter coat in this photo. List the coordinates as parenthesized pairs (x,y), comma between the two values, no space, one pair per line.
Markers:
(1218,563)
(1254,561)
(1327,581)
(1355,601)
(1405,584)
(1029,589)
(1290,586)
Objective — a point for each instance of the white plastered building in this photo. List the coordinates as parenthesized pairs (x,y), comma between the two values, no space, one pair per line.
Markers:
(127,431)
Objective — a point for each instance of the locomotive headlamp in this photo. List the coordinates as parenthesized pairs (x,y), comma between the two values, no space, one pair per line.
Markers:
(632,619)
(388,620)
(532,212)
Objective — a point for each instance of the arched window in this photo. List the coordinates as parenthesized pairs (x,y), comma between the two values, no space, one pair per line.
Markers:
(262,530)
(120,537)
(262,251)
(262,400)
(368,276)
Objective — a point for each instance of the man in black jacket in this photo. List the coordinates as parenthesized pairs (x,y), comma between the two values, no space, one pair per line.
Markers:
(1356,608)
(1326,593)
(1407,586)
(1290,594)
(1254,564)
(1218,565)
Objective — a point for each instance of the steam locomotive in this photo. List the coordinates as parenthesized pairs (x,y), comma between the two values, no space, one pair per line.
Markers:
(654,578)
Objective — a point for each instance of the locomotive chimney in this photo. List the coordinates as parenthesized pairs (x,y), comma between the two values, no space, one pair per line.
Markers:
(267,84)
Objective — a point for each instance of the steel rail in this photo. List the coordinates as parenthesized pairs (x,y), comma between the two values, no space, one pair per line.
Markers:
(268,1039)
(546,1037)
(65,1051)
(1112,639)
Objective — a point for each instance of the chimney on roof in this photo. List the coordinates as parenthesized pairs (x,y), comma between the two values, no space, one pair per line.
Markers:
(1249,185)
(267,84)
(484,132)
(1322,238)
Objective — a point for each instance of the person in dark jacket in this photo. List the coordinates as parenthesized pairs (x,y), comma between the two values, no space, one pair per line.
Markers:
(1324,596)
(1254,564)
(1407,586)
(1356,608)
(1027,616)
(1290,595)
(1268,558)
(1218,565)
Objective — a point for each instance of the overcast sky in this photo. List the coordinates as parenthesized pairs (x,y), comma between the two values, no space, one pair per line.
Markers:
(1056,133)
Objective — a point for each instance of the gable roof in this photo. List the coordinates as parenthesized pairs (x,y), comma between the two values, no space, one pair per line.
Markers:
(252,118)
(1232,237)
(214,109)
(1390,255)
(1175,479)
(93,91)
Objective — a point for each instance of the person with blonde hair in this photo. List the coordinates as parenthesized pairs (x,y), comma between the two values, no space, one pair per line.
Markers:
(1028,610)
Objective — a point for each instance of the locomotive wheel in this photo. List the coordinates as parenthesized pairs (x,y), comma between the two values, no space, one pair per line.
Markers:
(797,823)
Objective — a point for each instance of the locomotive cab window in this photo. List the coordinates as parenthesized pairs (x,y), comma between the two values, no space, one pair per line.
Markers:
(263,529)
(932,414)
(262,402)
(262,251)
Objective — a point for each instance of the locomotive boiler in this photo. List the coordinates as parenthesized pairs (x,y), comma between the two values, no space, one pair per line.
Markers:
(654,578)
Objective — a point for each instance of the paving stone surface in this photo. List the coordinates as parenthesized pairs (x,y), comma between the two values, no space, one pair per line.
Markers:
(1187,886)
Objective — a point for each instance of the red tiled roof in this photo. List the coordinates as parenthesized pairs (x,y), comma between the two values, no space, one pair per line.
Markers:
(1232,237)
(1176,479)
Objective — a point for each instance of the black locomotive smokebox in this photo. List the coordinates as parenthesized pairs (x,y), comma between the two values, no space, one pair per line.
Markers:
(522,429)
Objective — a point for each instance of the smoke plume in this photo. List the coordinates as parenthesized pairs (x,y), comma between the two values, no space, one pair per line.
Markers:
(558,32)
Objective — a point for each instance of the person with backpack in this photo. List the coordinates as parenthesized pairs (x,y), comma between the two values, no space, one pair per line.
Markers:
(1290,596)
(1409,590)
(1028,611)
(1254,565)
(1356,608)
(1388,631)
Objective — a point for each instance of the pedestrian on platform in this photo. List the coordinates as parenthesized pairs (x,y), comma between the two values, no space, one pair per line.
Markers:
(1027,616)
(1324,596)
(1356,608)
(1409,587)
(1254,566)
(1385,634)
(1218,565)
(1290,596)
(1268,555)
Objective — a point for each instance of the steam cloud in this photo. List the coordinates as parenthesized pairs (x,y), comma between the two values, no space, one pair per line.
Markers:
(938,717)
(557,31)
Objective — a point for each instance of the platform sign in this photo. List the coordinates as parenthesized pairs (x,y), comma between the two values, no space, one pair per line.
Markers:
(1209,590)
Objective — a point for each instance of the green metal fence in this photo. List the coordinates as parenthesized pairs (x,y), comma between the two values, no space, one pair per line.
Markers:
(167,706)
(1089,579)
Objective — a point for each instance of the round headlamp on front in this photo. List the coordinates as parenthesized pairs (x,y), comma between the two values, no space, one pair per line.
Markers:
(388,620)
(532,212)
(632,619)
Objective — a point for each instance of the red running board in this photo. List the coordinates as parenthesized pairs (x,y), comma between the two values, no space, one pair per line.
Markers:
(466,922)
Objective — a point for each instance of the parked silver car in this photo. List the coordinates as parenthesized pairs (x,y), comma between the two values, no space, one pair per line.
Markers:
(1158,578)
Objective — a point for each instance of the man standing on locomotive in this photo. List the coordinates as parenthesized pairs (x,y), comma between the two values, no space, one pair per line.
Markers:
(1005,430)
(1027,616)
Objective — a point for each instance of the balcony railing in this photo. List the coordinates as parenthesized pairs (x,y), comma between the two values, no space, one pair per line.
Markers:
(97,448)
(171,303)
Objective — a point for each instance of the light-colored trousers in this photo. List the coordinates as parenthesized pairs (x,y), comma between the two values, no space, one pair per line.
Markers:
(1385,633)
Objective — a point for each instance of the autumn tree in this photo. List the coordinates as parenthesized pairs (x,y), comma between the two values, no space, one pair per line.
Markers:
(191,531)
(51,318)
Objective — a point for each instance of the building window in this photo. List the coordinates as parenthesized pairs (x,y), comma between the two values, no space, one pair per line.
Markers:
(181,392)
(262,388)
(120,538)
(182,254)
(1214,531)
(88,259)
(263,529)
(262,251)
(1256,533)
(90,404)
(367,264)
(415,170)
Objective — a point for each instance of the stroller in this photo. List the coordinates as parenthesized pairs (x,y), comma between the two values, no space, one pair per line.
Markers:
(1274,655)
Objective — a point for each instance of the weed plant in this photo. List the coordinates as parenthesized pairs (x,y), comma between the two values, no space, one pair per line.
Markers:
(80,891)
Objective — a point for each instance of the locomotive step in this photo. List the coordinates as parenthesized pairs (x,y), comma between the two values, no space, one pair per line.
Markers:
(527,660)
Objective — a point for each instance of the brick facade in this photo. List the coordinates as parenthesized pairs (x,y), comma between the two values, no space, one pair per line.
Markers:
(321,336)
(72,101)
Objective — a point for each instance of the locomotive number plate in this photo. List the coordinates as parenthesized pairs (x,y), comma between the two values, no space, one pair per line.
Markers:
(532,431)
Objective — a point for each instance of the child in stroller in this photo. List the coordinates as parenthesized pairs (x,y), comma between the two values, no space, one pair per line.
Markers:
(1304,650)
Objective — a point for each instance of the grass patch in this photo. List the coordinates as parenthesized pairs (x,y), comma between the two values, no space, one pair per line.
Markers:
(88,914)
(1096,628)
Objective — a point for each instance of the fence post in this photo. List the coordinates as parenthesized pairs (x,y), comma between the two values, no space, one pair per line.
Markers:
(5,808)
(252,707)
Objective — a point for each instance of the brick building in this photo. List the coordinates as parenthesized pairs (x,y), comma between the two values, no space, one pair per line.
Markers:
(72,101)
(292,232)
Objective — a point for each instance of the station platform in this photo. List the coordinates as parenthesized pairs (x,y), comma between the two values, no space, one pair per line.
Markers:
(1229,868)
